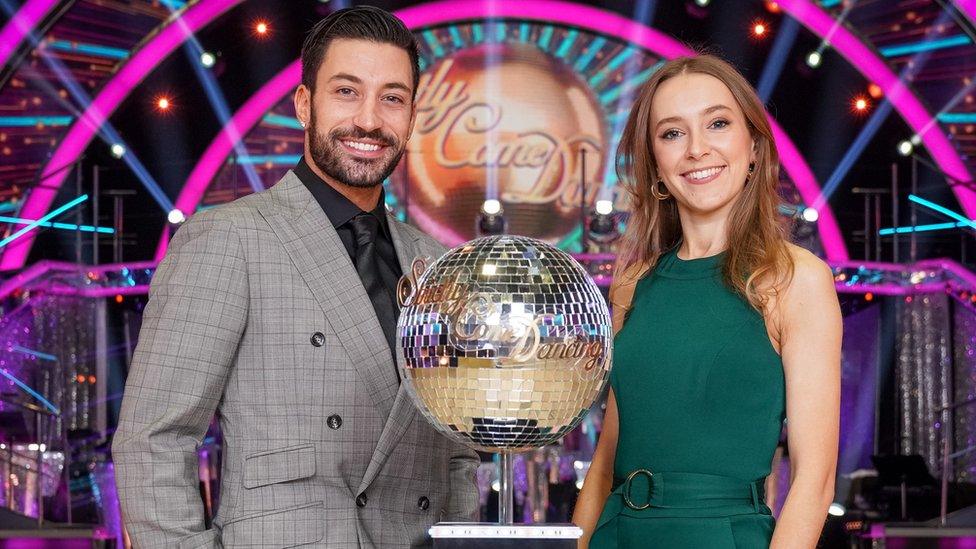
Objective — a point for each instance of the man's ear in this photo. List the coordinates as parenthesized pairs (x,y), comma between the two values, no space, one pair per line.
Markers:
(303,104)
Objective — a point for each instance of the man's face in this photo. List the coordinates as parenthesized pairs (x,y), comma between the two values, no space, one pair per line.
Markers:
(360,117)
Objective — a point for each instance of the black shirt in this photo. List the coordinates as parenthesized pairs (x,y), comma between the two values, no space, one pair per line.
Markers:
(340,211)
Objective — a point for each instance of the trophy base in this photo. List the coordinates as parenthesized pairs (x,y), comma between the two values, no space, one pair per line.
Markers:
(482,535)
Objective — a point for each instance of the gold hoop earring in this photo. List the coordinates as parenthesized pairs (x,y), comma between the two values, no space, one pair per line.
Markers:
(658,194)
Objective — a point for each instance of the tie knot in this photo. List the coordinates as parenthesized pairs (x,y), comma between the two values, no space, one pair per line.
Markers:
(364,227)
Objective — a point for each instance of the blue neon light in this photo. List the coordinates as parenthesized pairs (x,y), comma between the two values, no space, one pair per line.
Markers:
(567,43)
(544,37)
(434,43)
(276,159)
(89,49)
(33,352)
(49,216)
(942,210)
(927,45)
(56,225)
(47,404)
(920,228)
(591,52)
(283,121)
(31,121)
(613,94)
(456,37)
(957,117)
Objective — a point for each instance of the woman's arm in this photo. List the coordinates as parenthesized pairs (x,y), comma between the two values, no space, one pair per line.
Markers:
(810,339)
(599,478)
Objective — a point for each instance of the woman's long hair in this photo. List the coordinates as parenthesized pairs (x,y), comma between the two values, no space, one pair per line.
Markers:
(758,261)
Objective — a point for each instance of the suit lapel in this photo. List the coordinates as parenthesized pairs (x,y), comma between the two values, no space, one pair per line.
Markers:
(314,246)
(404,411)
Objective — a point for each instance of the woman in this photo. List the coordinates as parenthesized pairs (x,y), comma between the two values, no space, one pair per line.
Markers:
(729,329)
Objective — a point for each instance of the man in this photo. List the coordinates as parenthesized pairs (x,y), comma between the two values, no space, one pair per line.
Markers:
(277,312)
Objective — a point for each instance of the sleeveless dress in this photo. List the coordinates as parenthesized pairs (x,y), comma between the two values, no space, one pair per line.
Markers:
(701,399)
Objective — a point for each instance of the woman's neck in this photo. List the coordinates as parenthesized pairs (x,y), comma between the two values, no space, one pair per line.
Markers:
(702,235)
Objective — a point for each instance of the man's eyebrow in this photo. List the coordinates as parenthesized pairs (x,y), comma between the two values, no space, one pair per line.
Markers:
(346,76)
(356,80)
(398,86)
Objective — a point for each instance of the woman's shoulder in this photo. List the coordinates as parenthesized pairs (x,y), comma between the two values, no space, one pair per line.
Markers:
(809,271)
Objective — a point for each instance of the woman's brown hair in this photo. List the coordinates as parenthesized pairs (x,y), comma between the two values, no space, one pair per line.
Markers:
(758,261)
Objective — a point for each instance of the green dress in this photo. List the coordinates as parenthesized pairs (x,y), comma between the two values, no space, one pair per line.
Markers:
(701,400)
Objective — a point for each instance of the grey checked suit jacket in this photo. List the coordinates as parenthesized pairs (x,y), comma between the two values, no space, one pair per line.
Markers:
(227,329)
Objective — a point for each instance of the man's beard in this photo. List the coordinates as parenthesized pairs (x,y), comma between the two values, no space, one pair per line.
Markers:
(328,155)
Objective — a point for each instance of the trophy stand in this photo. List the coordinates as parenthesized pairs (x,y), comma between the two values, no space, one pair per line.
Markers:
(506,487)
(503,341)
(505,534)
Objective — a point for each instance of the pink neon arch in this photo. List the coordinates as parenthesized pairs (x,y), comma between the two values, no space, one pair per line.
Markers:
(552,11)
(21,25)
(969,8)
(872,66)
(148,57)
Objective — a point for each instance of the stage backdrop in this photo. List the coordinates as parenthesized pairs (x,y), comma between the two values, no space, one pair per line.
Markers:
(526,112)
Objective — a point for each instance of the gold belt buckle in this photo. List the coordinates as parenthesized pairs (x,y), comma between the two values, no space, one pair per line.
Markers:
(629,483)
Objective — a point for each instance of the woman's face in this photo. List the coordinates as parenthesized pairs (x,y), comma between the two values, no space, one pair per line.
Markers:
(701,143)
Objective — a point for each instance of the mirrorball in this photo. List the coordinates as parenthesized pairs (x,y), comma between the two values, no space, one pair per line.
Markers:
(505,342)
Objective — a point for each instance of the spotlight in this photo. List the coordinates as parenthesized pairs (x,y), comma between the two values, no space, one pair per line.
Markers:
(836,510)
(491,220)
(875,91)
(118,150)
(207,59)
(703,3)
(491,207)
(759,29)
(860,104)
(175,217)
(916,139)
(163,103)
(261,28)
(813,59)
(602,222)
(905,148)
(773,7)
(810,215)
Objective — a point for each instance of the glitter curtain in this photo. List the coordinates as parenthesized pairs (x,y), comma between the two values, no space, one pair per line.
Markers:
(964,346)
(923,373)
(47,348)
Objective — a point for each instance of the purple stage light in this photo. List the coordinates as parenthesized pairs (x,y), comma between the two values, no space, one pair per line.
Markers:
(142,62)
(553,11)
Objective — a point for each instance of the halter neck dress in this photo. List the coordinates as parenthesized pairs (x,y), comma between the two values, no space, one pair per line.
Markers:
(701,400)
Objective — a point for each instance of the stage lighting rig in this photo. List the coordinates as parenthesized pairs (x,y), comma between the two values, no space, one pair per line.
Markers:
(491,220)
(603,222)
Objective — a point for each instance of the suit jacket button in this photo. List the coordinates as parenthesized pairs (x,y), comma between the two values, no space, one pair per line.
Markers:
(318,339)
(423,503)
(361,500)
(334,421)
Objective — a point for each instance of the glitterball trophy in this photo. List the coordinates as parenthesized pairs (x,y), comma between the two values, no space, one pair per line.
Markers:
(506,342)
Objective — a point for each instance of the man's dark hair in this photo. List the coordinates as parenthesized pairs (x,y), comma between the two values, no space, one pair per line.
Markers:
(361,23)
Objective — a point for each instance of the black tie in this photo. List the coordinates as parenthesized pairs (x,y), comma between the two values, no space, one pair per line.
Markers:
(364,228)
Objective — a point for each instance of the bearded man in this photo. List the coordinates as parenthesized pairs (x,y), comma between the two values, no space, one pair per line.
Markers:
(277,312)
